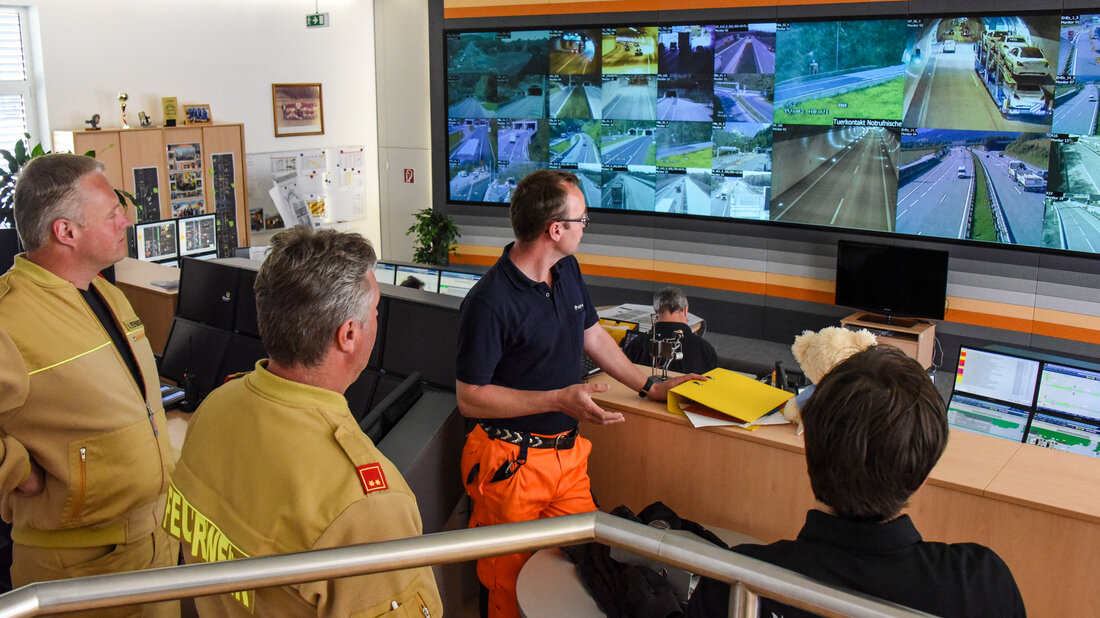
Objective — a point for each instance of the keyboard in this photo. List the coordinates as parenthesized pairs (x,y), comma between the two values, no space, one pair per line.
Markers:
(589,368)
(171,396)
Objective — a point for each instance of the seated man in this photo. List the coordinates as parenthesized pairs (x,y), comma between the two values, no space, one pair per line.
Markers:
(874,429)
(671,307)
(274,463)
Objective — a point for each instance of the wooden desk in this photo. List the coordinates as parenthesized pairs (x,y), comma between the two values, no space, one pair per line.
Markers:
(155,306)
(1038,509)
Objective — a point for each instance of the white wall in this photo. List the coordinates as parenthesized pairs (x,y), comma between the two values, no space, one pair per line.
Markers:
(404,119)
(223,52)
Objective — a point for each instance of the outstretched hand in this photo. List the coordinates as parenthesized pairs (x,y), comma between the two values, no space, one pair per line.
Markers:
(659,391)
(576,401)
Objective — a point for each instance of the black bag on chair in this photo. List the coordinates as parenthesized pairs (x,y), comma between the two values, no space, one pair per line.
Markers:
(627,587)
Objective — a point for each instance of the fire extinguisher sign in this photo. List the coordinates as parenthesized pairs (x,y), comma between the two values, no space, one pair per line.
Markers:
(408,174)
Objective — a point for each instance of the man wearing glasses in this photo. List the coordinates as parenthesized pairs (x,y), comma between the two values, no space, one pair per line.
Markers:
(522,332)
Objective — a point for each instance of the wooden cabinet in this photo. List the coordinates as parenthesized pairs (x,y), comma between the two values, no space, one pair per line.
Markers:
(175,171)
(913,337)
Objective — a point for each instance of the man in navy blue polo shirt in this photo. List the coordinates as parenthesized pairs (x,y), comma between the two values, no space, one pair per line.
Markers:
(522,332)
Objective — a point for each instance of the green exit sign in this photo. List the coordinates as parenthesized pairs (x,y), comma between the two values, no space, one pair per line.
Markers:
(317,20)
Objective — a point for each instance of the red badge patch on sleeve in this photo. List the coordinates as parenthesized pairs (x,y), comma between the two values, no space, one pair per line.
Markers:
(371,477)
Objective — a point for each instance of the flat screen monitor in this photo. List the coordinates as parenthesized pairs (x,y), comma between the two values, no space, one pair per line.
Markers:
(990,418)
(996,375)
(1069,391)
(387,411)
(156,241)
(240,356)
(197,350)
(208,292)
(413,332)
(891,280)
(245,322)
(197,235)
(385,273)
(428,278)
(1072,435)
(455,283)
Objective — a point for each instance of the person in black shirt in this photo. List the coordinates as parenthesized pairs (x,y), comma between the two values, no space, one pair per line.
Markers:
(874,428)
(671,307)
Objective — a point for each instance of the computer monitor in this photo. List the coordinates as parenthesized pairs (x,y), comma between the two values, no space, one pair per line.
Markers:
(455,283)
(240,356)
(428,276)
(208,292)
(245,322)
(196,351)
(156,241)
(996,375)
(1069,434)
(197,235)
(385,273)
(414,332)
(1069,391)
(360,395)
(993,394)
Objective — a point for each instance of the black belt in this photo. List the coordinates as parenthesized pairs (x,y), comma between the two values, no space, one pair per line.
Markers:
(561,442)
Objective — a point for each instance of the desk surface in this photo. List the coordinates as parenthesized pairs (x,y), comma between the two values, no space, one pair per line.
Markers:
(1023,474)
(142,274)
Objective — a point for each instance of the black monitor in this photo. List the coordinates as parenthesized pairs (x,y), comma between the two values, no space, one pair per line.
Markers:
(245,321)
(415,332)
(388,411)
(360,395)
(241,355)
(194,351)
(9,248)
(456,283)
(891,280)
(208,292)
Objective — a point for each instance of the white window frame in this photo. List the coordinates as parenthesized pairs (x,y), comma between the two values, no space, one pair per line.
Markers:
(28,87)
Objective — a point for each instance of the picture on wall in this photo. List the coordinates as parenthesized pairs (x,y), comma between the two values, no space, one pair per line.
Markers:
(297,109)
(225,197)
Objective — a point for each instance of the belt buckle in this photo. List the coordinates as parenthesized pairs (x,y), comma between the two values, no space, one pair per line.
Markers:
(558,438)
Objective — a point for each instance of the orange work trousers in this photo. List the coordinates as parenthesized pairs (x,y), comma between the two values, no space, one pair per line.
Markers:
(551,483)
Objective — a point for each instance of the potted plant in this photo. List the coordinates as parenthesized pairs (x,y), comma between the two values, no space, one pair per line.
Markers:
(435,235)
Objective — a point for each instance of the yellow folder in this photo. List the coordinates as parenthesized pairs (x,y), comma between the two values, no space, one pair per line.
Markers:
(729,393)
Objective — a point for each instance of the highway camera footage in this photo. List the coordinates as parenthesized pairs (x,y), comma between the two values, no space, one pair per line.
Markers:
(980,128)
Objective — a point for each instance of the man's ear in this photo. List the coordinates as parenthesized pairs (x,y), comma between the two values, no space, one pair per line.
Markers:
(554,230)
(346,336)
(64,232)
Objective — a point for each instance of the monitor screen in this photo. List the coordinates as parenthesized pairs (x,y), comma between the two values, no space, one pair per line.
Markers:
(989,418)
(156,241)
(995,375)
(245,321)
(208,292)
(1070,391)
(240,356)
(413,327)
(891,280)
(455,283)
(385,273)
(197,350)
(416,277)
(197,235)
(1072,435)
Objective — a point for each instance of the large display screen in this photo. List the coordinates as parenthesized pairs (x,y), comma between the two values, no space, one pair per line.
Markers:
(973,127)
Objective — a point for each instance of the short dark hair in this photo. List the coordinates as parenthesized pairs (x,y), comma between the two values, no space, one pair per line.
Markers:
(539,199)
(48,190)
(309,284)
(874,428)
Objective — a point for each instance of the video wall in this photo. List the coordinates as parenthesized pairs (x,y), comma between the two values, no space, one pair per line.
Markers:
(980,128)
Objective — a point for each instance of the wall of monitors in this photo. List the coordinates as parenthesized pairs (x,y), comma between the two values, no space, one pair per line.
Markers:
(962,127)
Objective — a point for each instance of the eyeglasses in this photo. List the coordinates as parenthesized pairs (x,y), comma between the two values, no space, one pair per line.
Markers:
(583,220)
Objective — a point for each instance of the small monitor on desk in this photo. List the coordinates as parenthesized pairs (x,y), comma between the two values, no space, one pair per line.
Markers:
(208,293)
(156,241)
(385,273)
(993,394)
(457,284)
(429,277)
(197,235)
(194,352)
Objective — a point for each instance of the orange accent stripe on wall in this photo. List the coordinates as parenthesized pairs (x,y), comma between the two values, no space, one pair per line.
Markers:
(1062,331)
(992,321)
(814,296)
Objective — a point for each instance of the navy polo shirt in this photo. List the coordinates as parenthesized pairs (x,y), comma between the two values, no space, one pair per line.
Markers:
(525,335)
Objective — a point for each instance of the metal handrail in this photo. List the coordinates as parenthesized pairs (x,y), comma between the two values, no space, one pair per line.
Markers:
(750,577)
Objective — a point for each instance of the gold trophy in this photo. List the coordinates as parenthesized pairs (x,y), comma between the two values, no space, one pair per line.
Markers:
(122,98)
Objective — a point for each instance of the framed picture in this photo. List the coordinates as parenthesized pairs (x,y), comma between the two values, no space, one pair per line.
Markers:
(297,109)
(197,114)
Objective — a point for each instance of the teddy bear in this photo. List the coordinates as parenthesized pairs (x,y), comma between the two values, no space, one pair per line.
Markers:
(819,352)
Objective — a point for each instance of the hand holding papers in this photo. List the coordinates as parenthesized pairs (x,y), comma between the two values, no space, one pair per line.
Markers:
(727,398)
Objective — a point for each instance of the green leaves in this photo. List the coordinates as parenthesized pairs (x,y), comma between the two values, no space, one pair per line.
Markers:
(435,234)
